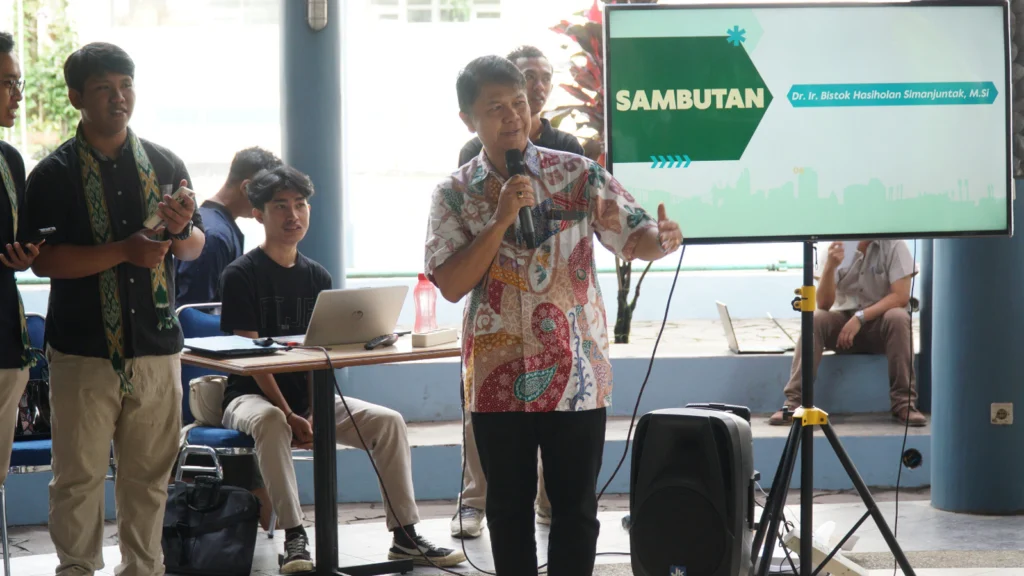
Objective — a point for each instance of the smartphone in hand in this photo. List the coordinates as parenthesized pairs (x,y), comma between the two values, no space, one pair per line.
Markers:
(39,235)
(154,221)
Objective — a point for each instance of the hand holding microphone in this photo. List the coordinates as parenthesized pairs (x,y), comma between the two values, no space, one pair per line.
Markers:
(515,200)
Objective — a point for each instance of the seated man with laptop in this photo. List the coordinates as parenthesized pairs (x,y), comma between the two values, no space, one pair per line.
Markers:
(271,292)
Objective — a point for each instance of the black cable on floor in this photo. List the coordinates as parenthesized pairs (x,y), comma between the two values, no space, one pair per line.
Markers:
(906,425)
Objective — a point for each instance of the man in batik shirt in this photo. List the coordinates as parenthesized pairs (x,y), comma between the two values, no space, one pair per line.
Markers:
(535,357)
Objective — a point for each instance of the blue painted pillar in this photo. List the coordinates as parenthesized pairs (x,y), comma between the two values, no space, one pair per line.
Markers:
(978,359)
(311,116)
(924,358)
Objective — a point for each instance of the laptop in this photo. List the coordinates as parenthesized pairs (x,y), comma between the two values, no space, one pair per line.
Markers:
(734,345)
(352,316)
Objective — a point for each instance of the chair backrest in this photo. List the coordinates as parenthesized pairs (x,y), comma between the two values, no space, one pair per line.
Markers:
(36,325)
(197,321)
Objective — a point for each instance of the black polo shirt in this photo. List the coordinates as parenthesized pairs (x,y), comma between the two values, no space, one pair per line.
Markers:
(10,321)
(56,197)
(550,138)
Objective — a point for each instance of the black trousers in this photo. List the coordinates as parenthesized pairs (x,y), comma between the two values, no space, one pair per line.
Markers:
(571,445)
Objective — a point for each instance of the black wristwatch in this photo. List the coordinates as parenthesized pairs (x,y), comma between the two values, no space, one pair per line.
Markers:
(185,234)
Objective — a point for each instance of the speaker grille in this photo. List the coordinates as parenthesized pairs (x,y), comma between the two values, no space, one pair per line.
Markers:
(677,526)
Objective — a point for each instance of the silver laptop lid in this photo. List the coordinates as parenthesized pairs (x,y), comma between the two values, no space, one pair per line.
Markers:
(354,315)
(730,333)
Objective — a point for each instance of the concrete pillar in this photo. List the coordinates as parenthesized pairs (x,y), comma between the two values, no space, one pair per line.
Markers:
(977,360)
(311,117)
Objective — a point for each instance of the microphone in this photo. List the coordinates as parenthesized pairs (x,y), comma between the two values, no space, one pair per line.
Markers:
(514,163)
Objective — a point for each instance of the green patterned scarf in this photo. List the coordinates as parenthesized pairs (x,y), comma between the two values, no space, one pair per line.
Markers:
(28,358)
(99,218)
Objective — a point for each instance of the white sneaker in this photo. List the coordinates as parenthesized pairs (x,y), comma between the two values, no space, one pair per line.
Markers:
(467,522)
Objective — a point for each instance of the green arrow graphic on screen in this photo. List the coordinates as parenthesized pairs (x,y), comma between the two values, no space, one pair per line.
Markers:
(700,95)
(898,94)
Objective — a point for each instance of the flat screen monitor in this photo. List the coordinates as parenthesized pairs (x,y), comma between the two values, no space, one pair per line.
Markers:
(774,122)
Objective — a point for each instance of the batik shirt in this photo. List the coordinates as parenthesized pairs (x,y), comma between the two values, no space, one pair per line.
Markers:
(535,331)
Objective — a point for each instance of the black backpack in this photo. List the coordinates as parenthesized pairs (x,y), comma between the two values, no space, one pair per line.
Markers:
(210,529)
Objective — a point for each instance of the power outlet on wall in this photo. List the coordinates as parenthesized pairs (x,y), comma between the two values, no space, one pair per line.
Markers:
(1002,413)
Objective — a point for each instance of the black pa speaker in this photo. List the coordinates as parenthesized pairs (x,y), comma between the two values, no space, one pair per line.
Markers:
(691,493)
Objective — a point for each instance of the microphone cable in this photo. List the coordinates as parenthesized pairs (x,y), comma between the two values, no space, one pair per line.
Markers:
(906,424)
(625,451)
(369,454)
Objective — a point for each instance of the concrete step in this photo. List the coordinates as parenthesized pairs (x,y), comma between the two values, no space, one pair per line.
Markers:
(693,364)
(873,441)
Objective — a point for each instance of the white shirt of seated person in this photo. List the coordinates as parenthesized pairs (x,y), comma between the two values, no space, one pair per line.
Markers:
(866,277)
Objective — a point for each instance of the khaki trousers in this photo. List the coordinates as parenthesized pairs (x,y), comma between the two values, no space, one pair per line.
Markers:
(89,411)
(12,387)
(383,430)
(889,335)
(474,489)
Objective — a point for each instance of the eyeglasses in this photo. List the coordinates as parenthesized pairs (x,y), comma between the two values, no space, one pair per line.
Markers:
(13,85)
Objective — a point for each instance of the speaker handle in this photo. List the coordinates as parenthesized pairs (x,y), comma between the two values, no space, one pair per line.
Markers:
(741,411)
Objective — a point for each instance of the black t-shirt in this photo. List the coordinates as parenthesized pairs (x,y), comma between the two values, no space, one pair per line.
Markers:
(55,197)
(10,322)
(550,138)
(261,296)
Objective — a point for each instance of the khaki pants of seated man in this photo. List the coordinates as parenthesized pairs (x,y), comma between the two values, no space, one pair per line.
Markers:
(889,335)
(474,489)
(88,411)
(12,387)
(383,430)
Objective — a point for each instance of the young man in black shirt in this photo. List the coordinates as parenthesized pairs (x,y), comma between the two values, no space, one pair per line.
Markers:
(198,282)
(113,339)
(538,71)
(468,521)
(15,357)
(271,292)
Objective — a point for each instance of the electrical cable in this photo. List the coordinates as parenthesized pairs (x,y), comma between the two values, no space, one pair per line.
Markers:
(355,426)
(629,432)
(906,425)
(636,407)
(650,366)
(384,492)
(788,525)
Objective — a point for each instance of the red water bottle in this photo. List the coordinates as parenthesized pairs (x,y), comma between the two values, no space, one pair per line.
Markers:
(425,295)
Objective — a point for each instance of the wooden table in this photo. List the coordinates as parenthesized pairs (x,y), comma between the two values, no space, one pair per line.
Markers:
(325,481)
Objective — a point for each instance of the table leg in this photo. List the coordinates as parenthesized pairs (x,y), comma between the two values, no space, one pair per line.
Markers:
(325,488)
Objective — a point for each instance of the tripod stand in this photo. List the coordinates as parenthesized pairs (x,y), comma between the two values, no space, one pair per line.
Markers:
(805,418)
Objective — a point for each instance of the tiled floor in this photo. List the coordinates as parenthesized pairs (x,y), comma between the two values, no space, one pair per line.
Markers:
(937,543)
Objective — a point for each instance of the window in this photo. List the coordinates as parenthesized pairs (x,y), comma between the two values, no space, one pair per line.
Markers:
(148,13)
(432,11)
(419,15)
(232,52)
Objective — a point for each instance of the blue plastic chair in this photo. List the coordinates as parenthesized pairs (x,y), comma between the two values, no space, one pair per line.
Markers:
(200,321)
(27,456)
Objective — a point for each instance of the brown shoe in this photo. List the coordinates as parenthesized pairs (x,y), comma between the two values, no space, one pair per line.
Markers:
(909,416)
(782,419)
